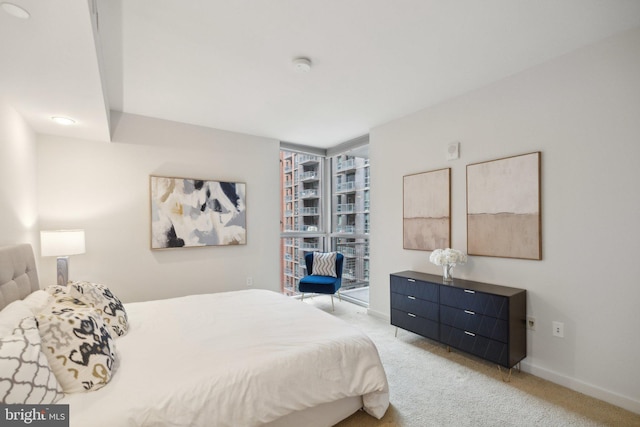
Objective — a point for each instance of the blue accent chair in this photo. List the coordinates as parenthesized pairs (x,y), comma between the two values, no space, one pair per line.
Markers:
(321,284)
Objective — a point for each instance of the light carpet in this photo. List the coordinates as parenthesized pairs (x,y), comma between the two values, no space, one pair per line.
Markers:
(430,386)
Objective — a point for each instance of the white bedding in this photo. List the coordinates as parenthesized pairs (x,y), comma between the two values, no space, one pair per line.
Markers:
(231,359)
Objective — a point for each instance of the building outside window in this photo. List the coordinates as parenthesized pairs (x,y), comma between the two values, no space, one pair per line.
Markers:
(301,218)
(350,220)
(305,229)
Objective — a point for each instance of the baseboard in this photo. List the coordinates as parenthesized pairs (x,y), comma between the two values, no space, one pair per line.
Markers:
(582,387)
(563,380)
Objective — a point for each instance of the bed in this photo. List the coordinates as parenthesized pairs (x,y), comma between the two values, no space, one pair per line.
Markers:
(243,358)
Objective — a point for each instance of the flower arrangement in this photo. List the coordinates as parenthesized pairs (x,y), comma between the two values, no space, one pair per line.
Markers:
(447,258)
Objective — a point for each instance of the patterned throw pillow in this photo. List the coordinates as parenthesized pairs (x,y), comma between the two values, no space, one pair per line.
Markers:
(105,302)
(56,289)
(63,303)
(79,348)
(25,375)
(324,264)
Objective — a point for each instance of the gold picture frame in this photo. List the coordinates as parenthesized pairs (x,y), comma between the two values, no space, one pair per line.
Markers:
(427,210)
(188,212)
(503,207)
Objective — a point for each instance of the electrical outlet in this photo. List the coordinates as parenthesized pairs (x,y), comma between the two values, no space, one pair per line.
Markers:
(249,281)
(531,323)
(558,329)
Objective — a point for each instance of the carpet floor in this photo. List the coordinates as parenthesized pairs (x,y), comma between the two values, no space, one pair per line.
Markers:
(430,386)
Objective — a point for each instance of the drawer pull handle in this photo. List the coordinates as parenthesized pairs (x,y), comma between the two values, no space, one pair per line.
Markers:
(411,315)
(470,333)
(411,297)
(469,291)
(469,312)
(411,280)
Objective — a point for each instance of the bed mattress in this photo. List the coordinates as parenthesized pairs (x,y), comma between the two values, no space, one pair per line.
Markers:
(243,358)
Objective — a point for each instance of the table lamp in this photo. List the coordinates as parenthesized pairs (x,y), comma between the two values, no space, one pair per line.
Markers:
(62,243)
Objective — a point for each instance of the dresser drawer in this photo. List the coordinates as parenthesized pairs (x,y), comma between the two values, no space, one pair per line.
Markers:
(411,322)
(417,288)
(478,302)
(411,304)
(494,351)
(483,319)
(487,326)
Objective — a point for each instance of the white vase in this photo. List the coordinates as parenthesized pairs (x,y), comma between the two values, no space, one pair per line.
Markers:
(447,269)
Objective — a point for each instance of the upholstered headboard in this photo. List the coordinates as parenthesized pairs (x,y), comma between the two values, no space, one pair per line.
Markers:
(18,274)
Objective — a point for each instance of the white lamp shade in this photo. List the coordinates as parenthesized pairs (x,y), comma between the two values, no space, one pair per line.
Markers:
(62,242)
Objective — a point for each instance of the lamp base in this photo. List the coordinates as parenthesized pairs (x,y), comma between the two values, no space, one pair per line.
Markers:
(63,270)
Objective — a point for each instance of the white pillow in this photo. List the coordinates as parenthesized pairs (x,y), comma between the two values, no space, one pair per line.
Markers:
(79,348)
(11,315)
(38,300)
(25,375)
(324,264)
(105,302)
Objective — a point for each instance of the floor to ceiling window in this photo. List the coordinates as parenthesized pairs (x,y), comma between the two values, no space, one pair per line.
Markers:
(350,220)
(325,206)
(301,221)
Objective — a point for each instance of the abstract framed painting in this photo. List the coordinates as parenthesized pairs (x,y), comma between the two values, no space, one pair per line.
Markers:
(427,210)
(187,212)
(503,208)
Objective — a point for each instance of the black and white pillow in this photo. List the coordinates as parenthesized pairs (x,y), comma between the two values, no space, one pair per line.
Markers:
(56,289)
(105,302)
(79,348)
(64,303)
(25,375)
(324,264)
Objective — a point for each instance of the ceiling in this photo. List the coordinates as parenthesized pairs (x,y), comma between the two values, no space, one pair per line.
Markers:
(228,64)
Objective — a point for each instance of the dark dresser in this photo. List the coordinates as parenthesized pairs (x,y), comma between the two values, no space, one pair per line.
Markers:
(485,320)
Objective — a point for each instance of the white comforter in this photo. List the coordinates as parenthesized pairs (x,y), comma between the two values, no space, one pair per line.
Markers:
(231,359)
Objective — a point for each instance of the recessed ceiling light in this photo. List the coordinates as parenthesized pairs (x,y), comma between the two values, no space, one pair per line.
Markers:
(302,65)
(65,121)
(15,10)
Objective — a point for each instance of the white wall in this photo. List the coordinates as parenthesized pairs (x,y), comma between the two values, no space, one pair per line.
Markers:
(582,112)
(104,188)
(18,208)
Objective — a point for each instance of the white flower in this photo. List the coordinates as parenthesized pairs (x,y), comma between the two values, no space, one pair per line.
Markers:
(447,257)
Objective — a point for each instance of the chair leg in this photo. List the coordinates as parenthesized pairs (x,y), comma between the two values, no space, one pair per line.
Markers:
(302,299)
(333,308)
(339,297)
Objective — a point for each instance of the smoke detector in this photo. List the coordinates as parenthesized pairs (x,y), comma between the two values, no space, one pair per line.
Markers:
(302,65)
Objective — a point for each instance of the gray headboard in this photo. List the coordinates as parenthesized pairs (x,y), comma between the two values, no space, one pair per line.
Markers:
(18,274)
